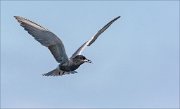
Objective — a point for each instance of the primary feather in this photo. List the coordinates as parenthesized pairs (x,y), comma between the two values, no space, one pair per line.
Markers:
(45,37)
(93,39)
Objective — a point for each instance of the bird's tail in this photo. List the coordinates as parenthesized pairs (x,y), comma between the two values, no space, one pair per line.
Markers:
(57,72)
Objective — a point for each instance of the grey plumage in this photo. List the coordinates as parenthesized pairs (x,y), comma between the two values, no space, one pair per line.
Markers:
(45,37)
(56,47)
(89,42)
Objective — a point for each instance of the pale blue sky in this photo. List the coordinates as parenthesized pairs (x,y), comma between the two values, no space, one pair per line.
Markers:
(135,62)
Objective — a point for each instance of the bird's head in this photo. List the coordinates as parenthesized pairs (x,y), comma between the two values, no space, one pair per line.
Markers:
(81,59)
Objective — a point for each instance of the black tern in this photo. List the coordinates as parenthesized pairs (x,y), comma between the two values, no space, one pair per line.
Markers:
(56,47)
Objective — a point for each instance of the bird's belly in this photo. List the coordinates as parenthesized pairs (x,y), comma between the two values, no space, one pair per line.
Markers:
(68,68)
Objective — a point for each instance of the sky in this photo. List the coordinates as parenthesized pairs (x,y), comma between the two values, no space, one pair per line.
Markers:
(135,62)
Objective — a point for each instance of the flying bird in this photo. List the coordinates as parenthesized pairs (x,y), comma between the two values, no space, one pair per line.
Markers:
(56,47)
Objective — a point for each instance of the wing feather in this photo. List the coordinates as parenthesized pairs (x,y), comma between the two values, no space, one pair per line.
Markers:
(45,37)
(93,39)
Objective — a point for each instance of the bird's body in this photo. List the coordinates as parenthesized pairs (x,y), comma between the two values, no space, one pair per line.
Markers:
(70,65)
(56,47)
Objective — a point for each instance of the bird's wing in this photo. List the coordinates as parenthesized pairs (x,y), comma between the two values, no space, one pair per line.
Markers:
(89,42)
(45,37)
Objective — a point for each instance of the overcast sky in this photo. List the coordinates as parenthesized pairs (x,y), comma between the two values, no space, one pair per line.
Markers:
(135,62)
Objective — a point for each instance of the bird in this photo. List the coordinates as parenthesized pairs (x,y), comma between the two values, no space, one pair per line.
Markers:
(48,39)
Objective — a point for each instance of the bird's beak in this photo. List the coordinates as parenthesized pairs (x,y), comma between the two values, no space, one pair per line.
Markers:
(88,61)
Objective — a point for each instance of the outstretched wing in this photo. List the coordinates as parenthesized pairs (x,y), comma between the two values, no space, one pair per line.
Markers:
(89,42)
(45,37)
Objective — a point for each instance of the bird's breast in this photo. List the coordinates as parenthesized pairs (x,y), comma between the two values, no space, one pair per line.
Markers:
(68,67)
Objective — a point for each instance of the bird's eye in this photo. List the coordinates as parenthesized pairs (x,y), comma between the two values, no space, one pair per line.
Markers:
(83,58)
